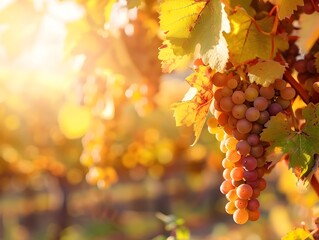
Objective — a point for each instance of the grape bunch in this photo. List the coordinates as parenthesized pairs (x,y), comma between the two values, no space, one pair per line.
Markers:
(240,111)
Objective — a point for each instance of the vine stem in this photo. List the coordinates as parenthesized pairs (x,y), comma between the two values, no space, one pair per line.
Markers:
(299,89)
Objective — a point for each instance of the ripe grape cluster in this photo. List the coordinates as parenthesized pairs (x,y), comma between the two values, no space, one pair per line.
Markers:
(240,110)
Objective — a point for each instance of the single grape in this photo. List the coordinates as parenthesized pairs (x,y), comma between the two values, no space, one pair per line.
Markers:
(263,118)
(274,108)
(237,173)
(219,79)
(232,83)
(239,111)
(280,84)
(238,97)
(250,175)
(227,164)
(251,94)
(249,163)
(232,156)
(226,91)
(252,114)
(257,151)
(262,184)
(244,191)
(288,93)
(226,104)
(267,92)
(253,204)
(256,128)
(232,195)
(283,103)
(253,215)
(241,203)
(241,216)
(243,125)
(253,139)
(231,143)
(218,94)
(261,103)
(226,174)
(230,207)
(243,148)
(226,186)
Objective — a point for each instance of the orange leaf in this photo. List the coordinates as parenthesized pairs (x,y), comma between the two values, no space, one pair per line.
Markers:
(194,111)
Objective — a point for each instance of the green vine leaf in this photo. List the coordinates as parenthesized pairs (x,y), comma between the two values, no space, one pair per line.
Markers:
(246,41)
(298,234)
(265,72)
(299,145)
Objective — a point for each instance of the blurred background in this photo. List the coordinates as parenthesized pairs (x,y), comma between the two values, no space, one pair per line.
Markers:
(88,144)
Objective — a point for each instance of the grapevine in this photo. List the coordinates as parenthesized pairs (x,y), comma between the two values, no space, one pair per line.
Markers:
(252,68)
(254,86)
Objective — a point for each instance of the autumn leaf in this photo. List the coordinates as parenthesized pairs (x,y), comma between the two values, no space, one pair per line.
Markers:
(194,111)
(186,24)
(265,72)
(309,32)
(298,234)
(286,7)
(246,41)
(169,60)
(300,145)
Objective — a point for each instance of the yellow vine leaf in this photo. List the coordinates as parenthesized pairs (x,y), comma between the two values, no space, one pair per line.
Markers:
(300,145)
(286,7)
(246,42)
(298,234)
(169,60)
(265,72)
(194,111)
(186,24)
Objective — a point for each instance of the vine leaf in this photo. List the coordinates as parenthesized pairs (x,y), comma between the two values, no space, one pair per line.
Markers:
(246,41)
(309,32)
(286,7)
(301,146)
(194,111)
(186,24)
(265,72)
(245,4)
(298,234)
(169,60)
